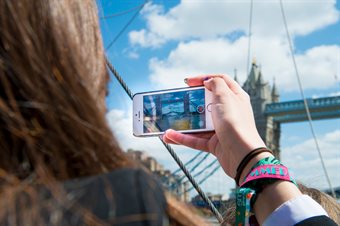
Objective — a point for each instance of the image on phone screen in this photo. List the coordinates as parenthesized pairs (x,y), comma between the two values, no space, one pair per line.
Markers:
(183,110)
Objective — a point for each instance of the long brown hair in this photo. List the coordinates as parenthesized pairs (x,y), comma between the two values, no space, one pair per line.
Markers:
(52,108)
(52,91)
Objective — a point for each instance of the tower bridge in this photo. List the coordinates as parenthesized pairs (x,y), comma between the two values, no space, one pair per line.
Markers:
(294,111)
(269,112)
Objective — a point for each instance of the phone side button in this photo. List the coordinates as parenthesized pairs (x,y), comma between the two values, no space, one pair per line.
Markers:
(209,107)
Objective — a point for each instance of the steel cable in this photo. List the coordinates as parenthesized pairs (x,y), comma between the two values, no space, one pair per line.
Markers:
(191,170)
(170,150)
(188,162)
(125,26)
(123,12)
(305,100)
(205,178)
(249,35)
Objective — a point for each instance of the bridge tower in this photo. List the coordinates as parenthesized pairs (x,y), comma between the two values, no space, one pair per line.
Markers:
(261,94)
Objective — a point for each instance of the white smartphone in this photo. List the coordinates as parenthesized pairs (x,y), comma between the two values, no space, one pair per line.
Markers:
(185,109)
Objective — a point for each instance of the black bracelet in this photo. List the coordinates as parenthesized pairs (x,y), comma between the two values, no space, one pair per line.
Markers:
(247,159)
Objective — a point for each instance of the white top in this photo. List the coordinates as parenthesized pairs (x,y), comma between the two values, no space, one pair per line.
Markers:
(294,211)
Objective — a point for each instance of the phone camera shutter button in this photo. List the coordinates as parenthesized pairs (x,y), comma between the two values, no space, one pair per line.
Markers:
(209,107)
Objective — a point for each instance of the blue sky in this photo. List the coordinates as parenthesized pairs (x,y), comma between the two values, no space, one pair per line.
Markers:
(170,40)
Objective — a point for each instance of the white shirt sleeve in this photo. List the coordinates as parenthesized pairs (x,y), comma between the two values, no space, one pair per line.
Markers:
(294,211)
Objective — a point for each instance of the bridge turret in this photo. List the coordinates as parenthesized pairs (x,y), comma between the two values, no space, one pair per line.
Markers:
(250,83)
(261,94)
(275,93)
(260,81)
(262,89)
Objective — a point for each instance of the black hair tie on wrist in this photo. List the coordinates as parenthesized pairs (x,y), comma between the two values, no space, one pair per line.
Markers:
(247,159)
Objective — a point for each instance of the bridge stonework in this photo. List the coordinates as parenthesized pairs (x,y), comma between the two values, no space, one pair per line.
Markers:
(261,94)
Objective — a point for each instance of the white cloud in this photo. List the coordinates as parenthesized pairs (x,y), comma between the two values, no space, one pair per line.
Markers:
(304,160)
(206,19)
(332,94)
(203,29)
(131,53)
(197,57)
(145,39)
(317,66)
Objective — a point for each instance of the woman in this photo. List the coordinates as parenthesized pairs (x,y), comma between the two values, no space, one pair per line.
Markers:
(53,129)
(52,117)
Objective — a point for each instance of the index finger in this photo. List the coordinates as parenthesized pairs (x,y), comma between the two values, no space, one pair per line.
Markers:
(198,80)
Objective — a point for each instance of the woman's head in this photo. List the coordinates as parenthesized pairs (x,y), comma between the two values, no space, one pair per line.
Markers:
(59,33)
(52,90)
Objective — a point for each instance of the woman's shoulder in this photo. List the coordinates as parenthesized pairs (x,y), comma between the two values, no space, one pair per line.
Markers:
(129,197)
(123,195)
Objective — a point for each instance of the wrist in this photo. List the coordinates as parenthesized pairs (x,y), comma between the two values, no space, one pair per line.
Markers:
(267,185)
(251,163)
(272,197)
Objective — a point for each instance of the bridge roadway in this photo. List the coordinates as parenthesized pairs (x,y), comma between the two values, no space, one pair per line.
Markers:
(294,111)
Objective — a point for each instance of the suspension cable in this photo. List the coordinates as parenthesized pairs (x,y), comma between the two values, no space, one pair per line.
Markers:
(205,168)
(126,26)
(249,36)
(205,178)
(305,100)
(195,166)
(123,12)
(171,151)
(191,170)
(199,163)
(198,173)
(188,162)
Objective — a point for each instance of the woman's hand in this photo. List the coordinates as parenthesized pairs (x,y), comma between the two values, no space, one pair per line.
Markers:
(235,132)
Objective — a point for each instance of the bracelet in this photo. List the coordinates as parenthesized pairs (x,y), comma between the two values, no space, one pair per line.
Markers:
(265,161)
(265,172)
(247,159)
(257,175)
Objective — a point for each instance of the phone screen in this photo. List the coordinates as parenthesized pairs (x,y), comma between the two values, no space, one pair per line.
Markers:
(180,110)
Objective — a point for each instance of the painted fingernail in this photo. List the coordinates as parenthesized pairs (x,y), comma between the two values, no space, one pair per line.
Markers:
(186,81)
(206,78)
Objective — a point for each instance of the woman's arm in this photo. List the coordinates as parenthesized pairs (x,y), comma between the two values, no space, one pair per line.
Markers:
(234,137)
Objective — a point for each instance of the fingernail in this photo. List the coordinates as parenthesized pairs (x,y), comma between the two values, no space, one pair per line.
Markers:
(186,81)
(206,78)
(168,131)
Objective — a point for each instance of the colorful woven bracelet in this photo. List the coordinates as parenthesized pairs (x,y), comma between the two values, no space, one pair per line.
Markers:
(265,169)
(264,172)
